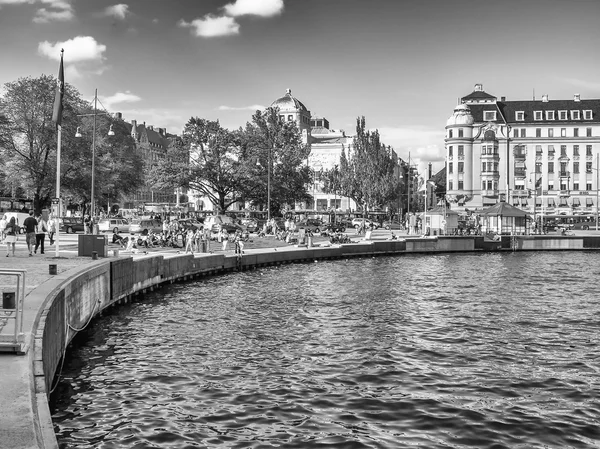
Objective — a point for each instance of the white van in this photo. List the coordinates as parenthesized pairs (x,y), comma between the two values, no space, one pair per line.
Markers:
(19,218)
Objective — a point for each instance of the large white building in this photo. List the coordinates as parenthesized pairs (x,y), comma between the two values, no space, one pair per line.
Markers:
(501,150)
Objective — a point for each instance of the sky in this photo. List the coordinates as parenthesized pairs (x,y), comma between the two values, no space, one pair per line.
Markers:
(402,64)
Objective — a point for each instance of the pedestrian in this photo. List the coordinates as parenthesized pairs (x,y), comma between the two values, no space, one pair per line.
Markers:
(224,238)
(40,234)
(12,231)
(3,223)
(30,225)
(51,229)
(189,241)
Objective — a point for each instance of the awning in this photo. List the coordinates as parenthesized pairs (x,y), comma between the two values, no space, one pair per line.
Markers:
(538,201)
(589,202)
(576,202)
(515,201)
(551,202)
(524,202)
(562,202)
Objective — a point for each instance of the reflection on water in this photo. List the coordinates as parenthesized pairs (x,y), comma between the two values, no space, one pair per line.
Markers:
(436,351)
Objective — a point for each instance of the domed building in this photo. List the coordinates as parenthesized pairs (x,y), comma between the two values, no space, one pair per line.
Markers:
(292,109)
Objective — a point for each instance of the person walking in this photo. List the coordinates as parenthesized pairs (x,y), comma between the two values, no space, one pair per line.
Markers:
(11,230)
(40,234)
(30,224)
(3,223)
(189,241)
(51,229)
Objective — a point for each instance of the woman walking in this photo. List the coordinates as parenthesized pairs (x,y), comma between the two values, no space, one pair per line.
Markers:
(11,232)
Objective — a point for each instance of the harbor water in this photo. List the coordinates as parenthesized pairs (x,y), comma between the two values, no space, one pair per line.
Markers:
(494,350)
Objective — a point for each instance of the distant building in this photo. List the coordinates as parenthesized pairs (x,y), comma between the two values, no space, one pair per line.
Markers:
(499,150)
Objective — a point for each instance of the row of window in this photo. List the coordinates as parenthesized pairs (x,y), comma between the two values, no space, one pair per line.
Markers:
(589,168)
(563,186)
(522,132)
(589,202)
(492,149)
(550,115)
(493,185)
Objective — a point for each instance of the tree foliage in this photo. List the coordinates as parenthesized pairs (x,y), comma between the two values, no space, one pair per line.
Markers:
(367,173)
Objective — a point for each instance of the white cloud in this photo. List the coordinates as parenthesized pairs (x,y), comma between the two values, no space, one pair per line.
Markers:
(212,26)
(119,97)
(15,2)
(119,11)
(80,48)
(263,8)
(60,10)
(253,108)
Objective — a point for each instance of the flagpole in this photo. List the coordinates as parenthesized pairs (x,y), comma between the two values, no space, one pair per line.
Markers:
(58,211)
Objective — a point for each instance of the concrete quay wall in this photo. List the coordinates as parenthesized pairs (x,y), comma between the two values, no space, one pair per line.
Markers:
(75,300)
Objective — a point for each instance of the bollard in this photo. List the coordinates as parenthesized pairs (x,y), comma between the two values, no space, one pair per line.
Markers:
(116,252)
(94,255)
(9,300)
(52,268)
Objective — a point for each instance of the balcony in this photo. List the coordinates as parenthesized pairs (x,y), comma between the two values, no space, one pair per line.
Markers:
(564,174)
(520,173)
(563,158)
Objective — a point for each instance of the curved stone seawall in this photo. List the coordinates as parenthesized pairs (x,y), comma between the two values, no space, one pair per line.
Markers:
(76,299)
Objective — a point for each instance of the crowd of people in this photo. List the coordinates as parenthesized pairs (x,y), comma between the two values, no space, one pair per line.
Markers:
(35,230)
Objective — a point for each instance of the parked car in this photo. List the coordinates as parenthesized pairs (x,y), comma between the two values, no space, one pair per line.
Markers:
(394,225)
(358,222)
(71,225)
(217,222)
(335,227)
(251,224)
(145,225)
(187,223)
(310,224)
(117,225)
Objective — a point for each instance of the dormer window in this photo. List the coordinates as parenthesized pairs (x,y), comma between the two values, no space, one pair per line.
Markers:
(489,116)
(549,115)
(562,115)
(520,116)
(537,115)
(587,115)
(575,115)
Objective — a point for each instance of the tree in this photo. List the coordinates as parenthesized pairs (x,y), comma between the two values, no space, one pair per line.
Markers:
(268,140)
(367,175)
(205,159)
(28,135)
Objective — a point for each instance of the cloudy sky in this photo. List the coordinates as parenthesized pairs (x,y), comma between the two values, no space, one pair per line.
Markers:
(400,63)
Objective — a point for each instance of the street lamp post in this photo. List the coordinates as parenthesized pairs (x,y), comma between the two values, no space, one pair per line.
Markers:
(78,134)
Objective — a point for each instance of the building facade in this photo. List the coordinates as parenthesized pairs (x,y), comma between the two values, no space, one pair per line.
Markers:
(541,155)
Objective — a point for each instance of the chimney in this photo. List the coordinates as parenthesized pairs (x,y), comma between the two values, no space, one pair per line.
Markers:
(545,98)
(478,87)
(576,97)
(502,98)
(118,116)
(151,127)
(430,171)
(162,131)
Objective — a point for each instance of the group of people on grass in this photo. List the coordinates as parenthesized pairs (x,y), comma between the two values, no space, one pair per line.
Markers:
(35,229)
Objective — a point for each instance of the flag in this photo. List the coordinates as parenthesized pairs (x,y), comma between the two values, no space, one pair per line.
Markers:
(60,92)
(538,187)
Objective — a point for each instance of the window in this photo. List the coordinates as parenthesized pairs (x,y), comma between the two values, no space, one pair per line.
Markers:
(575,167)
(460,132)
(588,150)
(563,132)
(550,132)
(587,115)
(575,115)
(563,151)
(575,187)
(483,185)
(461,167)
(550,167)
(450,185)
(538,150)
(563,186)
(282,117)
(588,186)
(520,116)
(450,151)
(489,116)
(290,118)
(588,167)
(538,132)
(551,187)
(523,133)
(450,133)
(450,167)
(515,132)
(562,115)
(483,168)
(537,115)
(538,167)
(588,132)
(461,150)
(575,150)
(575,132)
(460,185)
(549,115)
(550,150)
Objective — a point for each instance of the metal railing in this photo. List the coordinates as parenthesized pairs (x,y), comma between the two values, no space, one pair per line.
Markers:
(11,311)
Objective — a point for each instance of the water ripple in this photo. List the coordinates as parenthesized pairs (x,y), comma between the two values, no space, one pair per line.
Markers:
(438,351)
